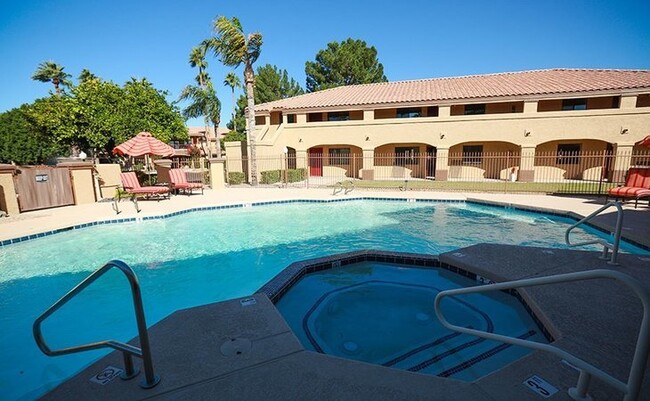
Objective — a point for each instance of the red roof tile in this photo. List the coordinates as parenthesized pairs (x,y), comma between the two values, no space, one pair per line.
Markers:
(509,84)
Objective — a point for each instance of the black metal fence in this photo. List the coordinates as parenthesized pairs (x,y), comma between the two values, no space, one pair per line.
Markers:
(552,172)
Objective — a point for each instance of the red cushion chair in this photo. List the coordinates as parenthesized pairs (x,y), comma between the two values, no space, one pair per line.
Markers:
(179,181)
(637,186)
(132,186)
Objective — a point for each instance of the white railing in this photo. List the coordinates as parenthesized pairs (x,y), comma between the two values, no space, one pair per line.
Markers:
(606,245)
(635,378)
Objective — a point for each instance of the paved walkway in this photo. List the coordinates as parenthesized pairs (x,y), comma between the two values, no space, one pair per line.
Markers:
(637,221)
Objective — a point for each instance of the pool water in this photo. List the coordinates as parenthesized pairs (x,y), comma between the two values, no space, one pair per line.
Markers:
(384,314)
(203,257)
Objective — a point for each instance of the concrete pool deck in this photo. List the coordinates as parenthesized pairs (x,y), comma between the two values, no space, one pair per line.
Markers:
(186,344)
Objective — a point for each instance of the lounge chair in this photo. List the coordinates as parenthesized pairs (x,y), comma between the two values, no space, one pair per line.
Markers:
(132,186)
(637,186)
(179,181)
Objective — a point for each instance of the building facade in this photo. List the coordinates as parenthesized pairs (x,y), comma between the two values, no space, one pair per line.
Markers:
(441,128)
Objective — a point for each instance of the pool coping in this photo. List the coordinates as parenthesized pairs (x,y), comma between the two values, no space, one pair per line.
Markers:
(633,240)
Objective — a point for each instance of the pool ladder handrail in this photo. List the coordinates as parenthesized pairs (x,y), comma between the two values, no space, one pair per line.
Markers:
(606,245)
(128,351)
(633,386)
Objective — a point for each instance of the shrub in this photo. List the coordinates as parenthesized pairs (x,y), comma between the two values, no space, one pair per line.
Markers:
(236,178)
(295,175)
(271,176)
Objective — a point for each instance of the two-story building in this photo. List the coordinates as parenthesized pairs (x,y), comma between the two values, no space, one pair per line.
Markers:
(432,125)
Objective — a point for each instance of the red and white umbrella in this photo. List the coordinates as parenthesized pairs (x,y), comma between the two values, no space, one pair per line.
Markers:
(143,144)
(644,142)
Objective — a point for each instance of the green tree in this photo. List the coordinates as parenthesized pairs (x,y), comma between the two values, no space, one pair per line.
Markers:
(54,117)
(350,62)
(197,60)
(238,123)
(232,80)
(145,108)
(272,84)
(49,71)
(86,75)
(235,48)
(203,102)
(21,142)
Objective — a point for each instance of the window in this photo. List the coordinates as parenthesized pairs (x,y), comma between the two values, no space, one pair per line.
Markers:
(406,155)
(568,153)
(260,120)
(472,154)
(574,104)
(471,109)
(291,118)
(338,116)
(432,111)
(411,112)
(339,156)
(314,117)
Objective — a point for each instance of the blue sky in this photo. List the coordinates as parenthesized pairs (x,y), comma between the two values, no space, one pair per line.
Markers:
(118,39)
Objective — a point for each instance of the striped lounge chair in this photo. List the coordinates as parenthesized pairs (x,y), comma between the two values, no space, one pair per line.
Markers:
(179,181)
(132,186)
(637,186)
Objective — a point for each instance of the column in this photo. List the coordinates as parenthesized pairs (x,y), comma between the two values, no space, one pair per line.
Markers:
(527,164)
(301,158)
(368,115)
(530,107)
(8,199)
(442,163)
(444,111)
(622,162)
(217,173)
(367,171)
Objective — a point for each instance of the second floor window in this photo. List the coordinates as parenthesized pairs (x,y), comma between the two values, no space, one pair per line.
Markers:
(411,112)
(338,116)
(574,104)
(471,109)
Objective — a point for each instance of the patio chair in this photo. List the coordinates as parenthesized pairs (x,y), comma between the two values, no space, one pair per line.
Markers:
(636,186)
(132,186)
(179,181)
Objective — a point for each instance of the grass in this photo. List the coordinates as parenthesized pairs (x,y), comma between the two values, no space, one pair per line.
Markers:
(492,186)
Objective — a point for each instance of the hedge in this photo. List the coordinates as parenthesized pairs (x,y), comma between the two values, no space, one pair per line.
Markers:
(293,175)
(235,178)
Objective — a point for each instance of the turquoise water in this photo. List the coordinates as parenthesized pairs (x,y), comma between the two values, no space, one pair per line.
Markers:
(384,314)
(204,257)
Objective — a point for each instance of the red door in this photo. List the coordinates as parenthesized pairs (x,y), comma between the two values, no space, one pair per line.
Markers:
(316,162)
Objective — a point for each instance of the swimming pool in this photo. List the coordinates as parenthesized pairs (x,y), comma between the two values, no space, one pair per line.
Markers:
(201,257)
(384,314)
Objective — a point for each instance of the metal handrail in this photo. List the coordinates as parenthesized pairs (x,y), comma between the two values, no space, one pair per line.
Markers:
(633,385)
(606,245)
(127,350)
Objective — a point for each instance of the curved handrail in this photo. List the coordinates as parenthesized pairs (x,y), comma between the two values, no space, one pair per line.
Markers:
(606,245)
(128,350)
(631,388)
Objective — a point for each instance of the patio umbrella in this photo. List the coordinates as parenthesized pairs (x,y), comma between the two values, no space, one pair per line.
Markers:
(144,144)
(644,142)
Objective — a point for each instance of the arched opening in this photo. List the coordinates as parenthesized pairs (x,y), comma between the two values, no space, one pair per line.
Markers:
(483,160)
(576,159)
(335,161)
(418,160)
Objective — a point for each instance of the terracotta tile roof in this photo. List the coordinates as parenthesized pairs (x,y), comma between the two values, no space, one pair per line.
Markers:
(509,84)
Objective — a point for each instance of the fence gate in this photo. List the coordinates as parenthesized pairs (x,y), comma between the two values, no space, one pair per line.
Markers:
(42,187)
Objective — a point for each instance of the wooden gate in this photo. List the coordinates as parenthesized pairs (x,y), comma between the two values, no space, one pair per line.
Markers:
(42,187)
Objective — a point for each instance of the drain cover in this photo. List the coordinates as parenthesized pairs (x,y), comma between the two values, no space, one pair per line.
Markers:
(236,346)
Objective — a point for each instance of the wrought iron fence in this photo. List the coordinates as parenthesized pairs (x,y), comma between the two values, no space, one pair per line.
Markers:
(547,172)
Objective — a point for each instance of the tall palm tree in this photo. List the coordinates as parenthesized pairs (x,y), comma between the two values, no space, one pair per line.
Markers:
(203,102)
(49,71)
(235,48)
(197,59)
(232,80)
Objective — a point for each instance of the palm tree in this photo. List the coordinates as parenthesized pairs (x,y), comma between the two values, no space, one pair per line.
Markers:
(203,102)
(197,59)
(235,48)
(49,71)
(232,80)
